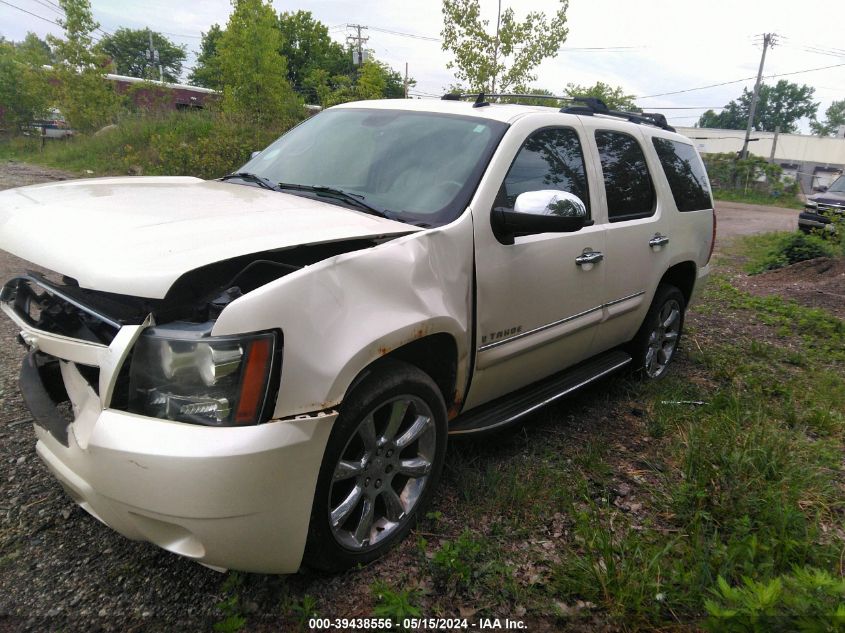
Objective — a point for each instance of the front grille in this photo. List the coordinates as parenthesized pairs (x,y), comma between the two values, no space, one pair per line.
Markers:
(50,308)
(830,207)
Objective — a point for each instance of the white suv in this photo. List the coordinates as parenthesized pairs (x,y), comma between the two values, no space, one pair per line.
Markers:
(264,369)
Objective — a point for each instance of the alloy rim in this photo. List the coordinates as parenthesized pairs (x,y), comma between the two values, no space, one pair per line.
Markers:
(663,340)
(382,472)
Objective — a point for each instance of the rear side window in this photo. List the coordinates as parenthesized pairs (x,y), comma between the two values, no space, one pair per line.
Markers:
(549,159)
(627,182)
(685,173)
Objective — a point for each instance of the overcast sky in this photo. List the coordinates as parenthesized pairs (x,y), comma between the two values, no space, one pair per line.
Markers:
(675,45)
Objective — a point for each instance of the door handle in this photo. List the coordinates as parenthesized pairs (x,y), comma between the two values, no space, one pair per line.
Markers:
(658,240)
(589,257)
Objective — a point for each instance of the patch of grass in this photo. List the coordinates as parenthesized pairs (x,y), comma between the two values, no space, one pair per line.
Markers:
(822,334)
(806,599)
(303,610)
(622,570)
(532,485)
(457,563)
(190,143)
(395,605)
(787,200)
(233,619)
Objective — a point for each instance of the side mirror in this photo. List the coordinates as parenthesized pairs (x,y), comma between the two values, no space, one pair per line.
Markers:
(546,211)
(254,154)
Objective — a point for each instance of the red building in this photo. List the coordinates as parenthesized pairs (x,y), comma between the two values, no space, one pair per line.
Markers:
(163,95)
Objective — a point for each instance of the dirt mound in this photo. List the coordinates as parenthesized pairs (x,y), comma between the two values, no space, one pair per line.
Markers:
(816,283)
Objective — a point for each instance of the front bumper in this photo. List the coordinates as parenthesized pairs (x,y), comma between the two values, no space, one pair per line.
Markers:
(230,497)
(809,221)
(237,498)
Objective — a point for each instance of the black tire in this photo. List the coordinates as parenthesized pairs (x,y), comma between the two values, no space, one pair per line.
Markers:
(379,395)
(665,299)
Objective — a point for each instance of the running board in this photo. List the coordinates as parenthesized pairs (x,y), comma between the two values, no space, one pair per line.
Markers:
(510,408)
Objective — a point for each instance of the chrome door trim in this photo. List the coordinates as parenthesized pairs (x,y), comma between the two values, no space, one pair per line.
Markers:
(633,296)
(538,329)
(542,328)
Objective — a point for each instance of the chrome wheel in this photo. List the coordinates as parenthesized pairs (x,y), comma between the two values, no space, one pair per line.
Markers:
(382,472)
(663,339)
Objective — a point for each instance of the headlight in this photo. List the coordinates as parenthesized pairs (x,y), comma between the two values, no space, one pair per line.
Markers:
(217,381)
(811,204)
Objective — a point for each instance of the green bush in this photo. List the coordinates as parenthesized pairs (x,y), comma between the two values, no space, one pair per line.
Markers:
(776,250)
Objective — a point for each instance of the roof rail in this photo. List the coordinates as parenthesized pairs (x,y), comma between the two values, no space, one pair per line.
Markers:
(581,105)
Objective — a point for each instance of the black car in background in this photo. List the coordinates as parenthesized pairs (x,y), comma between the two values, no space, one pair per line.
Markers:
(821,208)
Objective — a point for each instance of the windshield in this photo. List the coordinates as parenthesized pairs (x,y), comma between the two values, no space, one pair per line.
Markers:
(838,185)
(421,167)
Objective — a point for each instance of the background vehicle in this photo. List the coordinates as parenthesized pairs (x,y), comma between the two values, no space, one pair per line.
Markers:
(822,208)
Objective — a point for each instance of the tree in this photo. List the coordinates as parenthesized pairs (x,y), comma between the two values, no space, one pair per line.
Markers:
(34,51)
(24,88)
(834,117)
(306,45)
(85,97)
(613,96)
(207,71)
(372,80)
(128,50)
(781,105)
(505,58)
(253,72)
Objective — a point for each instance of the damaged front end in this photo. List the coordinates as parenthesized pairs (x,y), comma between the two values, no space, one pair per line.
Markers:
(105,382)
(154,357)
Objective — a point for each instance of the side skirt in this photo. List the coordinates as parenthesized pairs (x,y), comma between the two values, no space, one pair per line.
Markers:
(507,410)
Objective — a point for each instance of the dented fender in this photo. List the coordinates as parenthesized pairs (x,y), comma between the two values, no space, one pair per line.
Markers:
(340,315)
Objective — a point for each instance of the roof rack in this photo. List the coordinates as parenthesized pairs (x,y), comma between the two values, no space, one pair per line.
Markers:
(587,106)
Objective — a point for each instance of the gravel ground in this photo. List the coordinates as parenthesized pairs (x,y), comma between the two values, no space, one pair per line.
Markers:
(60,569)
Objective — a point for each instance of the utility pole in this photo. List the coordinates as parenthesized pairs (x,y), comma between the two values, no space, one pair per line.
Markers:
(405,83)
(768,40)
(152,54)
(496,48)
(357,43)
(774,144)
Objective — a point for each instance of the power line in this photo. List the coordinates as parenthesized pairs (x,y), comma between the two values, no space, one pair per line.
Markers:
(401,34)
(736,81)
(197,37)
(50,7)
(14,6)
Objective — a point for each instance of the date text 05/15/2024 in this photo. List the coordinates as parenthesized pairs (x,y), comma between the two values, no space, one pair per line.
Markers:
(416,624)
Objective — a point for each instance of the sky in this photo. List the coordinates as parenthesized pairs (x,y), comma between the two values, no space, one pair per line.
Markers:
(651,47)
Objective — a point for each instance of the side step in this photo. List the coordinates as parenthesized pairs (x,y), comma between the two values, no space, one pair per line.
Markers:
(508,409)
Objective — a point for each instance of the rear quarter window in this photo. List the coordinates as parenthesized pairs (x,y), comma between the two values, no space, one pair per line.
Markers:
(627,182)
(685,173)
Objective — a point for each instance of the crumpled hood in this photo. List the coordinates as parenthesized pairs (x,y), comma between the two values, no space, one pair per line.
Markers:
(136,236)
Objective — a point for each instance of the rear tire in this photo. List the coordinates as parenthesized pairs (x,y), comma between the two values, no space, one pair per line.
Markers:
(380,468)
(656,342)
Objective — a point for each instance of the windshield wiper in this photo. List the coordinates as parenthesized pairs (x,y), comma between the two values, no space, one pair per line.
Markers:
(266,183)
(346,196)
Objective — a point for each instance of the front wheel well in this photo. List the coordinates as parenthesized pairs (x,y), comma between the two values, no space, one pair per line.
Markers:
(437,356)
(682,276)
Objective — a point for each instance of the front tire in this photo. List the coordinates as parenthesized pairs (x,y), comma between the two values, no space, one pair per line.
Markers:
(380,468)
(656,342)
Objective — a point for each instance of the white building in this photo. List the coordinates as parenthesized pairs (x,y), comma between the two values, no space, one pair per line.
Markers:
(814,161)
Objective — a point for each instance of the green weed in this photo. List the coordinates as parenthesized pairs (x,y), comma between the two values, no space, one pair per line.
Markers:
(395,605)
